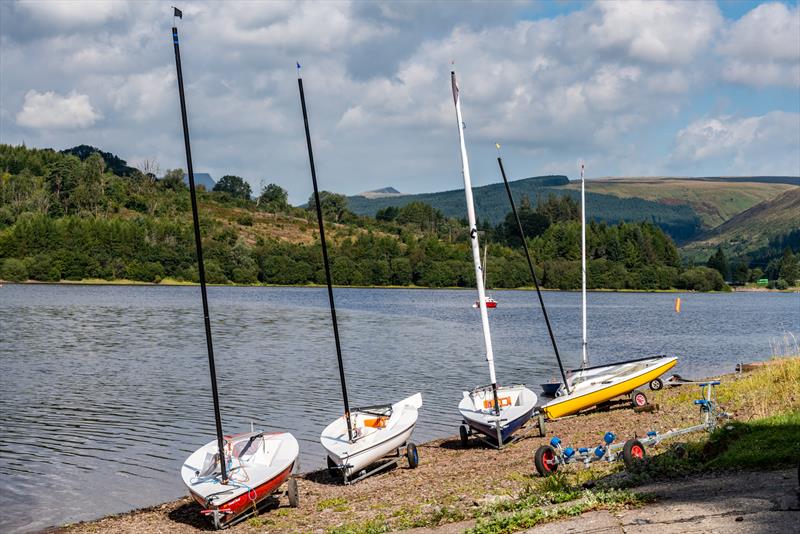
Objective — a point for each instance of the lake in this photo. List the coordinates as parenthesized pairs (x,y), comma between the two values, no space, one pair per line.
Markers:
(105,389)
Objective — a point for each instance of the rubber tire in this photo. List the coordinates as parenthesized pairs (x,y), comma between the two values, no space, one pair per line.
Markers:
(656,384)
(638,398)
(412,455)
(544,460)
(463,432)
(541,425)
(293,493)
(633,453)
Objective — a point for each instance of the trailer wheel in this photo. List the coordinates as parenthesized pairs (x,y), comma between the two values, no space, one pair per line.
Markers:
(656,384)
(633,453)
(463,432)
(412,456)
(540,423)
(293,493)
(545,460)
(638,398)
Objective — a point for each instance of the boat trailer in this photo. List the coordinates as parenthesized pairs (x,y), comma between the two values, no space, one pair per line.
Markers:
(465,432)
(409,451)
(549,457)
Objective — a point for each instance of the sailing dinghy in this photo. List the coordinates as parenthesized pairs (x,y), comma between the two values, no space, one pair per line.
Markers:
(373,437)
(378,431)
(588,386)
(494,412)
(231,475)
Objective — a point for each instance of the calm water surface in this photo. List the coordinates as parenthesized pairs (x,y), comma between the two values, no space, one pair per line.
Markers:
(105,390)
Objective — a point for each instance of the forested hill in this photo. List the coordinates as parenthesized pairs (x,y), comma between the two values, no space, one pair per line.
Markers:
(491,203)
(69,217)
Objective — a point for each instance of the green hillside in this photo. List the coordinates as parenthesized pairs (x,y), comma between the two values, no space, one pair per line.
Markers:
(680,221)
(715,200)
(67,218)
(753,228)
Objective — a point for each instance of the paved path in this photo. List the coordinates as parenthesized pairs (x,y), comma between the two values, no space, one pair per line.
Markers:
(746,502)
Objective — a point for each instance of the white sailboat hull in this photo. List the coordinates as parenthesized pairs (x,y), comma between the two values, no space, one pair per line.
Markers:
(516,407)
(376,437)
(254,473)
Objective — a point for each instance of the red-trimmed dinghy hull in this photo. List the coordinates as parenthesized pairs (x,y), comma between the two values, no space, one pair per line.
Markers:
(243,503)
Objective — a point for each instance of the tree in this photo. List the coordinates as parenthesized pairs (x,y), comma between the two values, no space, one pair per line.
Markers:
(740,273)
(789,267)
(388,213)
(533,224)
(173,179)
(235,186)
(273,198)
(333,205)
(424,216)
(558,208)
(720,262)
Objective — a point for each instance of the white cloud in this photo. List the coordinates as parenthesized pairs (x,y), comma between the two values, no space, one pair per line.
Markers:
(657,32)
(763,47)
(145,95)
(608,81)
(74,13)
(755,144)
(51,110)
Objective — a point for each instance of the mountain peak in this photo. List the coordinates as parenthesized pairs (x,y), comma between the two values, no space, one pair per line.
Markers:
(380,193)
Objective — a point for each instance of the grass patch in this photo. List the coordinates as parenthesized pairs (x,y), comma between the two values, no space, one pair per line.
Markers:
(764,392)
(375,526)
(530,516)
(337,504)
(767,443)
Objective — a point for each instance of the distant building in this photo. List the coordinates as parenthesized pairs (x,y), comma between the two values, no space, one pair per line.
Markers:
(201,178)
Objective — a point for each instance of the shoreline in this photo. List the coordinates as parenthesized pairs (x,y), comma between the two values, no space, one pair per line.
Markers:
(452,484)
(169,282)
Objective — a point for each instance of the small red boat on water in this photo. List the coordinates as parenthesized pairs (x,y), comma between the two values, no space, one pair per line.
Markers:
(490,303)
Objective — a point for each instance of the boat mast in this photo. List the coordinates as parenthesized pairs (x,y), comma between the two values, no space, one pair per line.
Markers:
(533,272)
(473,234)
(200,267)
(584,356)
(325,261)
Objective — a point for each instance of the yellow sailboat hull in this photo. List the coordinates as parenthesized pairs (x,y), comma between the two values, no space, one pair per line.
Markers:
(570,404)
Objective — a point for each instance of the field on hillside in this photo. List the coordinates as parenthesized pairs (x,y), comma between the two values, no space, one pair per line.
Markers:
(714,201)
(752,228)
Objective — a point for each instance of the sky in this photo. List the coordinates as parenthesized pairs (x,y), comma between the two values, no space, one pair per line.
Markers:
(630,88)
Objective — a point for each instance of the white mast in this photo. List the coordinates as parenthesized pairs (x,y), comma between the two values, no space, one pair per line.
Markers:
(473,233)
(584,356)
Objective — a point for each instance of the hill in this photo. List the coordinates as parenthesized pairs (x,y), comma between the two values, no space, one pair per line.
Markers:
(381,193)
(714,200)
(680,221)
(753,228)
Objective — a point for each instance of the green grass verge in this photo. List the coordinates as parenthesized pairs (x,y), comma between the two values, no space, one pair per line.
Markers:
(768,443)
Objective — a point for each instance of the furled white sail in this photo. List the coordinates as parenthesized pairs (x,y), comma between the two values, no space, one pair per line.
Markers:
(473,233)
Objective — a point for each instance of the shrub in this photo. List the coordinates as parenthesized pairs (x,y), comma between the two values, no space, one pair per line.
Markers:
(14,270)
(245,219)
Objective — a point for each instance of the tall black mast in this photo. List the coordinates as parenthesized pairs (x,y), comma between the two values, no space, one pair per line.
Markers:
(325,261)
(199,246)
(533,272)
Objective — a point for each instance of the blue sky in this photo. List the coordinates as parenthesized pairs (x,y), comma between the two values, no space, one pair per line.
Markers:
(632,88)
